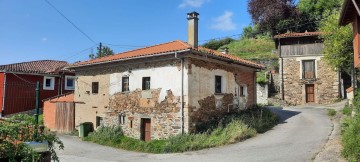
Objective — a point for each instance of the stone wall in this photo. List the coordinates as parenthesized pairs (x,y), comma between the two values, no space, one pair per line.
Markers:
(133,106)
(326,82)
(262,93)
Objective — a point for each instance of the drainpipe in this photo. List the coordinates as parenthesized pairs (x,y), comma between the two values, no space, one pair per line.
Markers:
(182,92)
(4,96)
(282,73)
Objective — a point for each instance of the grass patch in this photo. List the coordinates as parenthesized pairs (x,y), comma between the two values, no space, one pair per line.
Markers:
(233,128)
(347,110)
(331,112)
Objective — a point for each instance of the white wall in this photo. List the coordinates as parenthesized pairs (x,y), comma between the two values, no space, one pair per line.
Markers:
(166,77)
(202,84)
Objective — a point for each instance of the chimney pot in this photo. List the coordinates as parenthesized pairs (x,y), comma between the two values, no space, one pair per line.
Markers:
(193,18)
(225,50)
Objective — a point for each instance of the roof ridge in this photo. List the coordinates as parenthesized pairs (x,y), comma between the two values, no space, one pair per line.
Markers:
(33,62)
(138,49)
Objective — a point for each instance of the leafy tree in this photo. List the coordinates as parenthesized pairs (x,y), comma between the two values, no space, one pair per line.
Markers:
(338,42)
(105,51)
(268,13)
(315,9)
(216,44)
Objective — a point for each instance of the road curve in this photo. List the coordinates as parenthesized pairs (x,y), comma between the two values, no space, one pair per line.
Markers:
(301,134)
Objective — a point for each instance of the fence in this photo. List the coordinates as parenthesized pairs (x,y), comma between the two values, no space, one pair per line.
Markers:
(19,97)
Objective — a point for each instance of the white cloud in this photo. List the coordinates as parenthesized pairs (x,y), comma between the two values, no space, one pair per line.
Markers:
(224,22)
(192,3)
(44,39)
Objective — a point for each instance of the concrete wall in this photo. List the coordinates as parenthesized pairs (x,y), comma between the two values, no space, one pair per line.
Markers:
(91,105)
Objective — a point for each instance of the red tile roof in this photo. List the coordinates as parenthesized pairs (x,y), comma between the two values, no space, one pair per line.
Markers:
(37,67)
(290,35)
(174,46)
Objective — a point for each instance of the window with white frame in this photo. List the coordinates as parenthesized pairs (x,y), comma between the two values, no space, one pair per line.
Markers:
(49,83)
(70,82)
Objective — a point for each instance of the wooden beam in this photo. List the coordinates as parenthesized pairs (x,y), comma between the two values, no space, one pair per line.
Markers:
(357,7)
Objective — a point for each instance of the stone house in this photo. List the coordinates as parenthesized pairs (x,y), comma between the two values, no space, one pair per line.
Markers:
(165,89)
(304,75)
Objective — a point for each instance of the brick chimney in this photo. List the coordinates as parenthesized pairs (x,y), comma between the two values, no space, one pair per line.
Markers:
(193,29)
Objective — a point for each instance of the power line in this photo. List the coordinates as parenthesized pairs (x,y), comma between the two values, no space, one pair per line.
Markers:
(123,45)
(87,36)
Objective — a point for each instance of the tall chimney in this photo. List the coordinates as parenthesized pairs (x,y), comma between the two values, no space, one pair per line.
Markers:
(193,29)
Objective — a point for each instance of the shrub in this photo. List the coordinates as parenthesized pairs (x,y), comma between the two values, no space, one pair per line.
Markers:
(331,112)
(351,138)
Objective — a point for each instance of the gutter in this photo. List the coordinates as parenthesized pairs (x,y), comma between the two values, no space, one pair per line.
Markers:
(4,96)
(182,93)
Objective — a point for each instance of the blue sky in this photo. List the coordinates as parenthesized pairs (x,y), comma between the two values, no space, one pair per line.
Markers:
(32,30)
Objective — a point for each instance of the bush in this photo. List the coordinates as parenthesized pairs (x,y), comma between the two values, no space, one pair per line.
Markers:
(19,129)
(233,128)
(351,138)
(331,112)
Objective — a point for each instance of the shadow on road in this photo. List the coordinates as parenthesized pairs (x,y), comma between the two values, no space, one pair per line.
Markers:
(283,114)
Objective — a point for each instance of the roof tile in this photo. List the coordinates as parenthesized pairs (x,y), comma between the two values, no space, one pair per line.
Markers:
(290,35)
(160,49)
(40,67)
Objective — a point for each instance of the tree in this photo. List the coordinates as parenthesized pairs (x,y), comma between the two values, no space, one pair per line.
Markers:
(216,44)
(315,9)
(268,13)
(105,51)
(338,42)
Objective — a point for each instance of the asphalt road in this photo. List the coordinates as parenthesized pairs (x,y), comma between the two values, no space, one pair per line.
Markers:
(299,137)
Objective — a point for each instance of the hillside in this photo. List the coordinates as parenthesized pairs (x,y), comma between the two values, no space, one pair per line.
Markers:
(253,49)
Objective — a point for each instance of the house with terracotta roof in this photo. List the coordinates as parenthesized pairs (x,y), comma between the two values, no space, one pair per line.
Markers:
(305,77)
(18,84)
(165,89)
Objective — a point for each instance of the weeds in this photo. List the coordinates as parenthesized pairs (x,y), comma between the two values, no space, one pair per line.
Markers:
(347,110)
(331,112)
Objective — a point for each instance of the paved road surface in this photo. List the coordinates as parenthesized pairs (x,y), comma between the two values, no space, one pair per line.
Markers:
(299,137)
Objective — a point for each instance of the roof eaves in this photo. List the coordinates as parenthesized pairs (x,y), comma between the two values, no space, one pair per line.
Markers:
(344,8)
(128,58)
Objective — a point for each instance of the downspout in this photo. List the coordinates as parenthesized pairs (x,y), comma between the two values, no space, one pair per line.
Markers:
(182,92)
(282,73)
(4,96)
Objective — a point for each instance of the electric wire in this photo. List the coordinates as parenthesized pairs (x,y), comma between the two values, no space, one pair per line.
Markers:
(75,26)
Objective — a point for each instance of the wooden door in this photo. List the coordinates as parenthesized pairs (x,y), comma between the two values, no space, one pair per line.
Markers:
(145,129)
(310,94)
(65,117)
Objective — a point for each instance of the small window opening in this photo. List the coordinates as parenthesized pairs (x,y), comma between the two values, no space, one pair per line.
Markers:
(146,83)
(218,84)
(95,87)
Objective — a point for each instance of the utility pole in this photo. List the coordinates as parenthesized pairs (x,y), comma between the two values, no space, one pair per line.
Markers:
(100,48)
(37,110)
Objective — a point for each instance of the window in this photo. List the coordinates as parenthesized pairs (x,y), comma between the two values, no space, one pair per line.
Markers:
(125,84)
(49,83)
(99,121)
(95,87)
(218,84)
(146,83)
(70,82)
(308,69)
(121,119)
(242,91)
